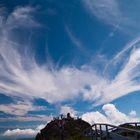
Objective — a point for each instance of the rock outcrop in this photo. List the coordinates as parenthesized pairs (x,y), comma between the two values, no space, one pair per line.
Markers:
(63,129)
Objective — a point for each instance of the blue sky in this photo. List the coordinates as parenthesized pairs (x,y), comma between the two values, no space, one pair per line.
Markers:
(78,56)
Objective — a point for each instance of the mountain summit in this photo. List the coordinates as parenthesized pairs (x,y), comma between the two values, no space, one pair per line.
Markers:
(63,128)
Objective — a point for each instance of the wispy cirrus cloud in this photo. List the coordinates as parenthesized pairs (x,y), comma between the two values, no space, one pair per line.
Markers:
(75,40)
(105,10)
(21,17)
(124,82)
(21,76)
(39,81)
(115,13)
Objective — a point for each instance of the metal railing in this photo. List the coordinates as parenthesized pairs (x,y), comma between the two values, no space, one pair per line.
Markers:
(107,131)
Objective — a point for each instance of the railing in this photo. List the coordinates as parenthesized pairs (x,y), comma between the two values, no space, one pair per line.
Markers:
(135,124)
(108,131)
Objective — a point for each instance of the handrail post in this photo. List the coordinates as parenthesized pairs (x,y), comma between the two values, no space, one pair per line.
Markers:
(95,132)
(91,131)
(135,124)
(107,133)
(136,135)
(101,131)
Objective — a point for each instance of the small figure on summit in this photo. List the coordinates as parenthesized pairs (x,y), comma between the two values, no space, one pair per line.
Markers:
(69,116)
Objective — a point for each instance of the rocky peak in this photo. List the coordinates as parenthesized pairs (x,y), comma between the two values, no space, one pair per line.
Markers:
(61,128)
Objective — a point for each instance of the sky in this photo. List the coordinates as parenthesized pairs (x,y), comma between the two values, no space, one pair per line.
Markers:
(78,56)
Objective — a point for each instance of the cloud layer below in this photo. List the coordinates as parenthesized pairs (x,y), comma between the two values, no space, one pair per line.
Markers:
(110,115)
(23,132)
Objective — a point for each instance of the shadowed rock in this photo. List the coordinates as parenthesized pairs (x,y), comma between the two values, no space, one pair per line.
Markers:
(63,129)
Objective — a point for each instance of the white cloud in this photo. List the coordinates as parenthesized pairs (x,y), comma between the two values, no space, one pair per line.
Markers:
(94,117)
(67,109)
(133,113)
(20,108)
(114,114)
(110,115)
(23,132)
(17,132)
